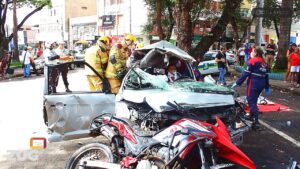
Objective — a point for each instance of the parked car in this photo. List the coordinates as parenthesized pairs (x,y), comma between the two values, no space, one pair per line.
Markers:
(143,98)
(209,65)
(39,64)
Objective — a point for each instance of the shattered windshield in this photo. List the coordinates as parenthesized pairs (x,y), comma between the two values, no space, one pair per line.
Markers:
(139,79)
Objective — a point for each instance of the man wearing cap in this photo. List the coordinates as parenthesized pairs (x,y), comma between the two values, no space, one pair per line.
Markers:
(271,49)
(51,59)
(27,58)
(63,58)
(97,57)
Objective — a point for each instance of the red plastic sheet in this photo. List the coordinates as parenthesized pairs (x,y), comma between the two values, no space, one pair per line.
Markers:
(267,106)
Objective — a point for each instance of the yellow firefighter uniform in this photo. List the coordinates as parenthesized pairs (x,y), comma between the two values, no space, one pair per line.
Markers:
(97,57)
(117,63)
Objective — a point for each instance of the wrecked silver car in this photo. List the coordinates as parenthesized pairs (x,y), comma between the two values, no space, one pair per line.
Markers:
(163,76)
(148,89)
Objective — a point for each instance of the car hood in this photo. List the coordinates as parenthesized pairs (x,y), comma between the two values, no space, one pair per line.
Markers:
(188,93)
(157,99)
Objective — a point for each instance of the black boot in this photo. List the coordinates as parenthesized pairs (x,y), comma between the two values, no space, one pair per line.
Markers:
(68,90)
(54,90)
(255,124)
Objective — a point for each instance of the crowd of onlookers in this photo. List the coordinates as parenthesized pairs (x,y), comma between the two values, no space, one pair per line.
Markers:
(245,52)
(292,75)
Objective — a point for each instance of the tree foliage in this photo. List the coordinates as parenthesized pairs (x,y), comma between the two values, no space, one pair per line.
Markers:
(185,15)
(6,5)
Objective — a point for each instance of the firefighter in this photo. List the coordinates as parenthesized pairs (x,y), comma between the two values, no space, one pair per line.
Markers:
(136,56)
(51,59)
(64,57)
(97,57)
(116,68)
(258,80)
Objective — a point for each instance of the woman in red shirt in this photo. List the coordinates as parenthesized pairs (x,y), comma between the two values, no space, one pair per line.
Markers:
(295,64)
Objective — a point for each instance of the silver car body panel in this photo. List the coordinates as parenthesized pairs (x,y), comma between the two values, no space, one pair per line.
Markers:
(169,48)
(69,116)
(157,98)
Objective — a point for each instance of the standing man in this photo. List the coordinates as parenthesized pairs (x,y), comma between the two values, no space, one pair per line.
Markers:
(51,59)
(27,59)
(63,58)
(116,67)
(97,57)
(222,63)
(271,49)
(257,81)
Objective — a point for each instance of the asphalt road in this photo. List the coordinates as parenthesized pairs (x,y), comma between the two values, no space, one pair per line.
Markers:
(22,119)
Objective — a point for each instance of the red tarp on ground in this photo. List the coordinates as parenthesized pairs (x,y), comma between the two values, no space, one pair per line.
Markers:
(267,106)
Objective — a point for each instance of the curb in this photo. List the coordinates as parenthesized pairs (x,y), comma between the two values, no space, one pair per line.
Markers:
(289,89)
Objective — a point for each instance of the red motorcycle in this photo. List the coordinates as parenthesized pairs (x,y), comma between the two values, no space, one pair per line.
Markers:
(185,144)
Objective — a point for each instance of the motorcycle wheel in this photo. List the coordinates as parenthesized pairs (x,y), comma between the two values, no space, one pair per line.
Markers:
(93,151)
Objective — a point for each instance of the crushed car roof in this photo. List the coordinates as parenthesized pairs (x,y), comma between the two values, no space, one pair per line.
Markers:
(168,47)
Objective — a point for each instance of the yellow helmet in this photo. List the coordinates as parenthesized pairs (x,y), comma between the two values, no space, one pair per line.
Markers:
(140,45)
(105,39)
(130,37)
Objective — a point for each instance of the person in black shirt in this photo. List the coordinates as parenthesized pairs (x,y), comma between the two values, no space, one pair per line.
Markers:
(270,49)
(222,63)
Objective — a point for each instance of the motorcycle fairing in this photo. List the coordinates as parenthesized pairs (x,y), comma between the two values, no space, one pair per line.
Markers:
(227,149)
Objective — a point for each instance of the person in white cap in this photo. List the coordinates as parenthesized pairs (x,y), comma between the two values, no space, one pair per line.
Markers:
(51,59)
(64,57)
(27,57)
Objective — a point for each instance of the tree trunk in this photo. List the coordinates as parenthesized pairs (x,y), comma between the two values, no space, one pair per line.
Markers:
(217,31)
(25,19)
(3,40)
(235,33)
(184,24)
(171,26)
(158,20)
(15,32)
(284,38)
(246,30)
(276,27)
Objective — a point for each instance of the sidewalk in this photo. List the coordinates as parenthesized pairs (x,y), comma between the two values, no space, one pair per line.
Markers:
(277,84)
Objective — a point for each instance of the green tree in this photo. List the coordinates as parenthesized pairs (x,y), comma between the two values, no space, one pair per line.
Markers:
(284,38)
(217,31)
(160,16)
(5,5)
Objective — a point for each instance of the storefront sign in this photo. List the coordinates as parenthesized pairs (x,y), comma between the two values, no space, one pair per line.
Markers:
(108,21)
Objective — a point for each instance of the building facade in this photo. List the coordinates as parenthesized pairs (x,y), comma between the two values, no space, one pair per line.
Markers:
(119,17)
(55,23)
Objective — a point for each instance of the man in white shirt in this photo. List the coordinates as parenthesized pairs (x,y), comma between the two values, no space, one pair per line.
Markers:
(26,55)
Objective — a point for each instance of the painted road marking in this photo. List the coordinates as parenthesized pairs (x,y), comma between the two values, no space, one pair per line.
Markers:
(280,133)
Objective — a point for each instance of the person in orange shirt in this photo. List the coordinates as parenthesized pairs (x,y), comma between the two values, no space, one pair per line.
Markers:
(295,64)
(288,53)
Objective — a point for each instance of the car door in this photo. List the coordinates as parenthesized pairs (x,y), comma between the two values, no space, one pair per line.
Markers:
(208,65)
(68,115)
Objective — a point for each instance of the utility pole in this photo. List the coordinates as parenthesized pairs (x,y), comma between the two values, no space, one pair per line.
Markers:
(15,31)
(258,28)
